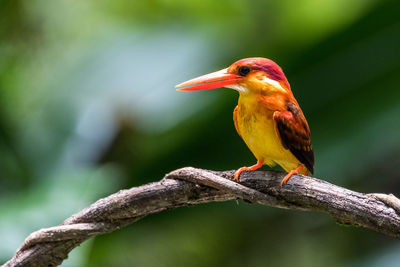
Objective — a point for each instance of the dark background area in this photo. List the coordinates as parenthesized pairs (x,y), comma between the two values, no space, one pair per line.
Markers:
(88,107)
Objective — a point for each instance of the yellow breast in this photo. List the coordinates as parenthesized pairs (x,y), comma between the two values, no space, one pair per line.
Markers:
(256,126)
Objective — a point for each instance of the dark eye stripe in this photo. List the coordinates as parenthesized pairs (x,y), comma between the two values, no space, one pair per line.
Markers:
(243,71)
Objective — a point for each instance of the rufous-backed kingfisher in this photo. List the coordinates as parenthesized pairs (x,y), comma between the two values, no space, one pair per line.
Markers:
(267,117)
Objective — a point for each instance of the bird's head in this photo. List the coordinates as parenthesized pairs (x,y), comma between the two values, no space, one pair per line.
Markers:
(247,76)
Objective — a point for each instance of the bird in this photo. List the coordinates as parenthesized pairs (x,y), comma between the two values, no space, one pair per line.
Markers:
(267,117)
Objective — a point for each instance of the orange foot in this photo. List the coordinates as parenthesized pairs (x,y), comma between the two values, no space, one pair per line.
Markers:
(289,175)
(251,168)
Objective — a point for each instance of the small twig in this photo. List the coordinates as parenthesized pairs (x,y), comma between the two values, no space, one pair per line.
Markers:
(189,186)
(389,200)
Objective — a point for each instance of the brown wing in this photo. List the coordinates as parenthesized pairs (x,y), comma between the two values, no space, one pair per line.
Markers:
(235,121)
(295,135)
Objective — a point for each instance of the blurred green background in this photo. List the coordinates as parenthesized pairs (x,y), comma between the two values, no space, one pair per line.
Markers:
(88,107)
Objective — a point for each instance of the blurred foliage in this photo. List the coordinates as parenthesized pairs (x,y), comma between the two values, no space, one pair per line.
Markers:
(88,107)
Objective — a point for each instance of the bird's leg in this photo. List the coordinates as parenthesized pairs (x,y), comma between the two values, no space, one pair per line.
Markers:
(251,168)
(289,175)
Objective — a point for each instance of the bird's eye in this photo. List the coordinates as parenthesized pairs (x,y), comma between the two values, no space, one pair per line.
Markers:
(243,71)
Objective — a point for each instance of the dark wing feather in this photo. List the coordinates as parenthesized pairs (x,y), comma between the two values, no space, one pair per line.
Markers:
(295,135)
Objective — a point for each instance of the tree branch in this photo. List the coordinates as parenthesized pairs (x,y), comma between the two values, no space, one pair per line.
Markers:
(190,186)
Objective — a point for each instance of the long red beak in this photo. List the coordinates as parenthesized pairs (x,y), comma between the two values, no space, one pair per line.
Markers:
(212,80)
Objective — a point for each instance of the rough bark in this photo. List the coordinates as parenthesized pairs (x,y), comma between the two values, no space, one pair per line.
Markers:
(190,186)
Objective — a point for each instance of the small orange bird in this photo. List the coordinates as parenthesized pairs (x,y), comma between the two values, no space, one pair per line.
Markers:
(267,117)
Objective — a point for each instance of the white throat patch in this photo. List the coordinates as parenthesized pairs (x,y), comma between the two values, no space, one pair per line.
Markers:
(237,87)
